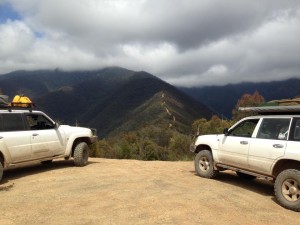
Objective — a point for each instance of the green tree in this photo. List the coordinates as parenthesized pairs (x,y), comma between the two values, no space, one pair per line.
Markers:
(213,126)
(247,100)
(179,146)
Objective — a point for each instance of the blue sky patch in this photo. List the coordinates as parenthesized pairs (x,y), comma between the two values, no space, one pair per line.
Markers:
(7,12)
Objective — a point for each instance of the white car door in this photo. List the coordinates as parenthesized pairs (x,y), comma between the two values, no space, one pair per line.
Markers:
(234,147)
(46,140)
(15,138)
(269,144)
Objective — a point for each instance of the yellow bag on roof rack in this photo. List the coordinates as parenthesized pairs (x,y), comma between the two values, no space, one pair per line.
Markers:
(22,101)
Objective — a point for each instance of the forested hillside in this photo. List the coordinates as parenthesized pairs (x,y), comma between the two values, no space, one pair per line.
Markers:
(223,98)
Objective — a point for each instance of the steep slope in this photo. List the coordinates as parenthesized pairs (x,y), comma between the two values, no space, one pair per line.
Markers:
(137,103)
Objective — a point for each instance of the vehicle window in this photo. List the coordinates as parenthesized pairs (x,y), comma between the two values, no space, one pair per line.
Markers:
(1,124)
(12,122)
(39,122)
(295,135)
(244,129)
(275,128)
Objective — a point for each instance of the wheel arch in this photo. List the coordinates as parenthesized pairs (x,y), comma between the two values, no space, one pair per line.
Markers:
(2,159)
(202,147)
(79,140)
(285,164)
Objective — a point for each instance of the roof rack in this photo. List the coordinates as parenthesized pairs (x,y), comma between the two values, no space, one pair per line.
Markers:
(18,106)
(20,102)
(273,110)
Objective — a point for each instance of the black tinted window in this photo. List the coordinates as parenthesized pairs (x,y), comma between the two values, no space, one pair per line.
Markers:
(1,124)
(12,122)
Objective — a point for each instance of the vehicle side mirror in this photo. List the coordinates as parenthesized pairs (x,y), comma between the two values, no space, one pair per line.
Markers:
(226,131)
(56,125)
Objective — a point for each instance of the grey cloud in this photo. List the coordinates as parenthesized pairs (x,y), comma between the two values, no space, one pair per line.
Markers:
(185,42)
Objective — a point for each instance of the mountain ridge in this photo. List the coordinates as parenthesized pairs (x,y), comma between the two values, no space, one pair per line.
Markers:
(115,99)
(110,99)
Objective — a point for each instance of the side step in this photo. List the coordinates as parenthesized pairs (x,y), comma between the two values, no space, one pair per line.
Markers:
(267,177)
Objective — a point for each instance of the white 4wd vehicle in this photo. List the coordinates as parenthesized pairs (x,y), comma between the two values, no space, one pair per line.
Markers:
(31,136)
(265,146)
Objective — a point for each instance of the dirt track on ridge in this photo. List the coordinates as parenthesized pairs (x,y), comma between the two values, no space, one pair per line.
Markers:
(108,191)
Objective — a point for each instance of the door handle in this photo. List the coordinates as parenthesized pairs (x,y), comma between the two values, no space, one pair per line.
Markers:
(278,146)
(243,142)
(1,137)
(34,135)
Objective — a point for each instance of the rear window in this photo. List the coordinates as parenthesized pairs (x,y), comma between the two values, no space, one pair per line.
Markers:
(12,122)
(295,130)
(274,128)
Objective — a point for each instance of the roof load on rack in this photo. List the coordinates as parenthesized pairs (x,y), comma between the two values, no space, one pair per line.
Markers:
(283,106)
(284,102)
(291,109)
(4,101)
(21,101)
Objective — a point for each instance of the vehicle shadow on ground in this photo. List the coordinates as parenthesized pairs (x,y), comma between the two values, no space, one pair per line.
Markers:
(260,186)
(15,173)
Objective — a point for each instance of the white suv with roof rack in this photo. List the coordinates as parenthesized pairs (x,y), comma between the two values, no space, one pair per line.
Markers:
(263,146)
(28,136)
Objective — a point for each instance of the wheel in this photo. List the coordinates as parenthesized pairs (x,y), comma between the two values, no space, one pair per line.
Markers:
(81,154)
(245,176)
(287,189)
(1,171)
(204,164)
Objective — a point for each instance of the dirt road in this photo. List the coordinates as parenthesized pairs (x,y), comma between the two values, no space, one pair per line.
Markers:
(110,191)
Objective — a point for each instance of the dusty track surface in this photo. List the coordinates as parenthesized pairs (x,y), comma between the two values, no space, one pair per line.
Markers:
(110,191)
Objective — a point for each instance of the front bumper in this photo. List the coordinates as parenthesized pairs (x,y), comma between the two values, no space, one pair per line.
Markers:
(94,137)
(193,147)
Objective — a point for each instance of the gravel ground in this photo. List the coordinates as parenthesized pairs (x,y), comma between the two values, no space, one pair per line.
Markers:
(109,191)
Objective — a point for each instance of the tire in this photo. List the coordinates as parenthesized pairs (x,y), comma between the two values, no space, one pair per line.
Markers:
(287,189)
(204,165)
(1,171)
(245,176)
(81,154)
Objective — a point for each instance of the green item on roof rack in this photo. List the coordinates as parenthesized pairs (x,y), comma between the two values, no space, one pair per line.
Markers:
(3,101)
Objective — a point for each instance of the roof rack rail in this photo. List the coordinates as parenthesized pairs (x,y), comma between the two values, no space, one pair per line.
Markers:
(18,106)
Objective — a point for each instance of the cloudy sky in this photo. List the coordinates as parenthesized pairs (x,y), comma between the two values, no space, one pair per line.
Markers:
(184,42)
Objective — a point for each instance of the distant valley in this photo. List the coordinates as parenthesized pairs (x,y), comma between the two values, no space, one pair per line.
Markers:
(222,99)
